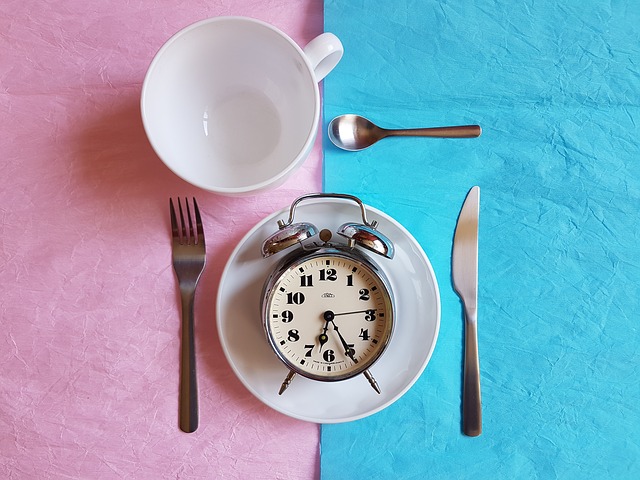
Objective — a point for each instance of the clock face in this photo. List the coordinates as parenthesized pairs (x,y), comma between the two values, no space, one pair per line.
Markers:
(329,315)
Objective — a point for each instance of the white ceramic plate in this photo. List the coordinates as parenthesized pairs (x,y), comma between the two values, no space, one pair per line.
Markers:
(246,347)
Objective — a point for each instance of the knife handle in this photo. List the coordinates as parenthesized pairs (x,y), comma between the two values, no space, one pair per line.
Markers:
(471,402)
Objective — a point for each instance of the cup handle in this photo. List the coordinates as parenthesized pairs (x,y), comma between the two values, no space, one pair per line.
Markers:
(324,52)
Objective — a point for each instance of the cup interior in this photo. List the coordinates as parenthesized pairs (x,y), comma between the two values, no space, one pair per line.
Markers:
(230,104)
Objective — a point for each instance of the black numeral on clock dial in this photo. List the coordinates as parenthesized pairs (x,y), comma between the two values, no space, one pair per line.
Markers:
(328,274)
(296,298)
(293,335)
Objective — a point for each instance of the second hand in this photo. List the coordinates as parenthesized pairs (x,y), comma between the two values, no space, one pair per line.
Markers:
(357,311)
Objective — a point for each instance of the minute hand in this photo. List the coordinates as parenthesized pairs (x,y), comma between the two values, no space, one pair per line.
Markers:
(350,353)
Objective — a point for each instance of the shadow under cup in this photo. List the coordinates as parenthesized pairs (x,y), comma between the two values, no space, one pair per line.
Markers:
(231,105)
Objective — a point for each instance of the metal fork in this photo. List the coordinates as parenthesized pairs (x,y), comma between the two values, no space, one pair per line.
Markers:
(188,253)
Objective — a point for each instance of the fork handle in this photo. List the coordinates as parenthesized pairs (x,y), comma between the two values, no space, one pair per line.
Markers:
(188,380)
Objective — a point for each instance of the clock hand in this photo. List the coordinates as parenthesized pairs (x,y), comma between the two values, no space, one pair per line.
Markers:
(356,311)
(328,315)
(323,338)
(328,318)
(350,353)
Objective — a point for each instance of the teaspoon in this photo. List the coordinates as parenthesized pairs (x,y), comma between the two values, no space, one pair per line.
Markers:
(353,132)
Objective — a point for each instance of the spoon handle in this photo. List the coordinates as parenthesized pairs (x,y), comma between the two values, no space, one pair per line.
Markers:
(462,131)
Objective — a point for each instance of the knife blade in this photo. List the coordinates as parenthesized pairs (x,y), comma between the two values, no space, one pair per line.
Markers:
(465,281)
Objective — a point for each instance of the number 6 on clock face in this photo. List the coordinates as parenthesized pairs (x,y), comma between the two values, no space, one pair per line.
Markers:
(328,314)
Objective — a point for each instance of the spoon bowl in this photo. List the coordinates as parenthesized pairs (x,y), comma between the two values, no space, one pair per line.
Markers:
(354,133)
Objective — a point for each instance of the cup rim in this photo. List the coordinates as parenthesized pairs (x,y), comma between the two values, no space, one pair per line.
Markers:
(281,175)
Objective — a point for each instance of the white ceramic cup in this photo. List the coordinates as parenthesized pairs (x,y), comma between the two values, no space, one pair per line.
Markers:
(232,105)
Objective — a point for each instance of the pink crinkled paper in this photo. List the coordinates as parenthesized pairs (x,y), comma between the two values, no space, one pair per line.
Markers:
(89,343)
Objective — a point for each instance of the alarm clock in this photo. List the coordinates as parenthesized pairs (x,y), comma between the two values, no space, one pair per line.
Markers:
(327,307)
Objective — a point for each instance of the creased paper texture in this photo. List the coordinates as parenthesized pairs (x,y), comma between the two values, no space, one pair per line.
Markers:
(556,89)
(90,312)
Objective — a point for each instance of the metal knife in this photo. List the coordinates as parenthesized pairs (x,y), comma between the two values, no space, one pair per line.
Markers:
(465,282)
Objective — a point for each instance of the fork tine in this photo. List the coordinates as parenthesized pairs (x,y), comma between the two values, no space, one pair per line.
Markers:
(199,228)
(192,238)
(174,221)
(182,224)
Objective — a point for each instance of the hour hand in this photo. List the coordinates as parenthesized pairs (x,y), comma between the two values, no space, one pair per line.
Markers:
(322,339)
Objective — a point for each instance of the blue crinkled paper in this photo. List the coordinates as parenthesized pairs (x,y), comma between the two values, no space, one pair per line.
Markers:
(556,88)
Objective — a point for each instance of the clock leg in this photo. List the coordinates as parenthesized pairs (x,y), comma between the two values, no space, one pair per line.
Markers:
(372,381)
(287,382)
